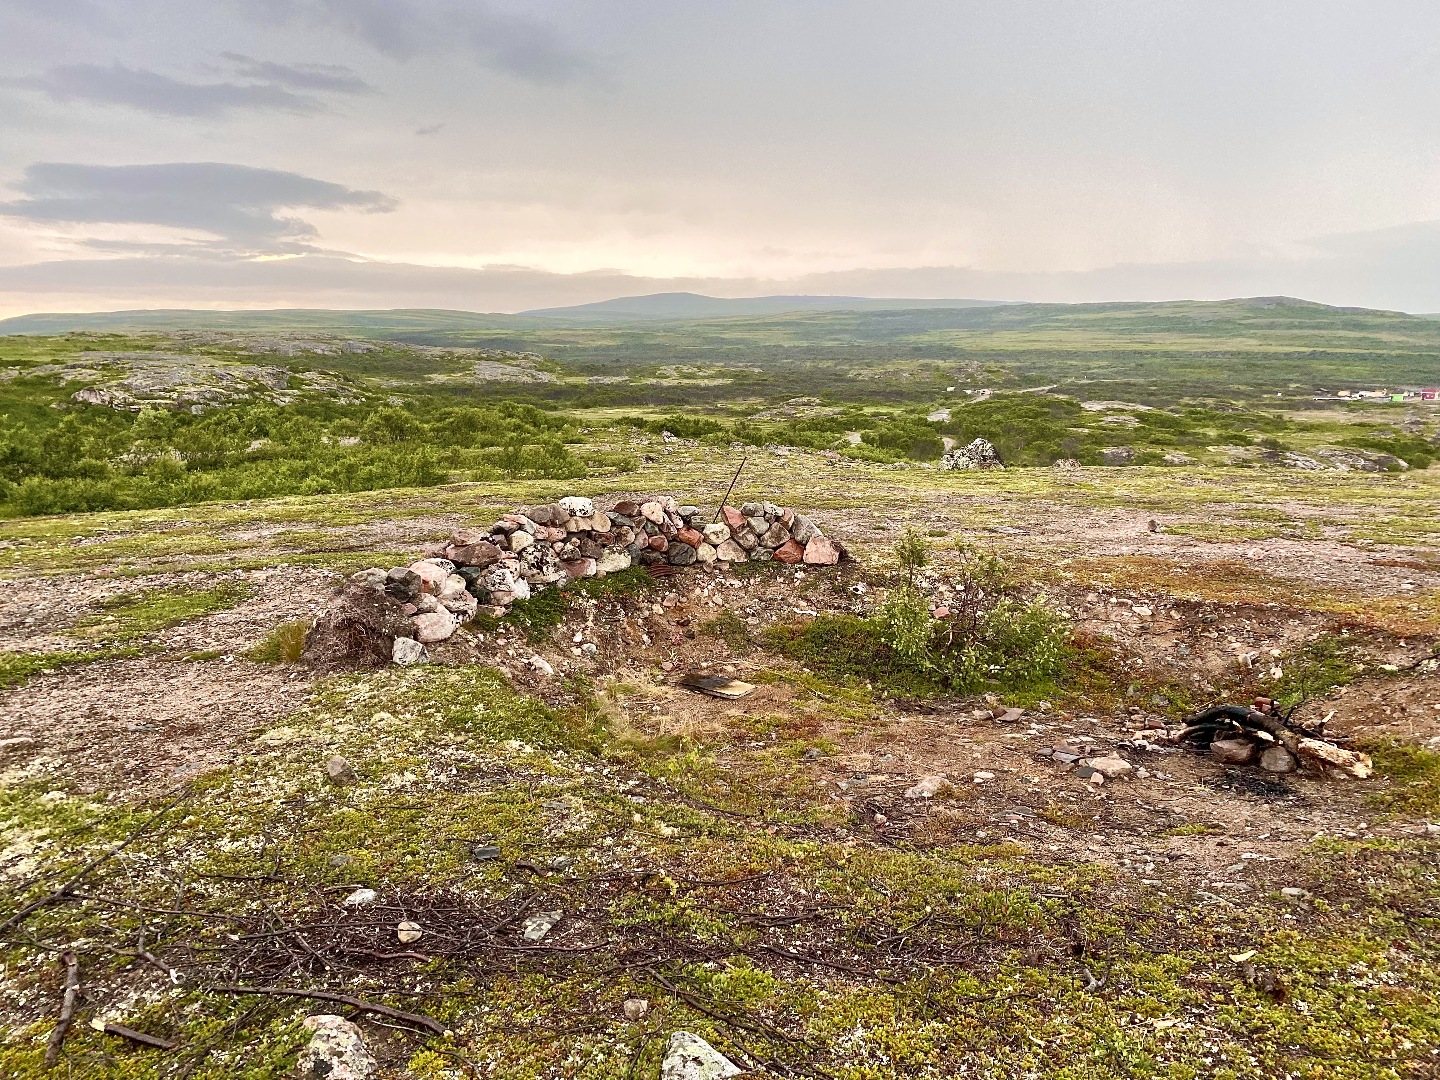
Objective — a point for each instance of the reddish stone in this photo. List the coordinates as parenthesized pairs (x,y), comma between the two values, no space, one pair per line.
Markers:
(627,508)
(689,536)
(432,575)
(480,554)
(821,552)
(578,568)
(733,517)
(659,543)
(791,551)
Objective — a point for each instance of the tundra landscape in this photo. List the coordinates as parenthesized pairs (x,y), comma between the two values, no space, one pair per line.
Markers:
(775,539)
(915,791)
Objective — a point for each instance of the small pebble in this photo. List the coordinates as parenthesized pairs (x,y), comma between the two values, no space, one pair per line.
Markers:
(635,1008)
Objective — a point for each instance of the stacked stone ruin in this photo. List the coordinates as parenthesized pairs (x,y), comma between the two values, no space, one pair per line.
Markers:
(486,570)
(980,454)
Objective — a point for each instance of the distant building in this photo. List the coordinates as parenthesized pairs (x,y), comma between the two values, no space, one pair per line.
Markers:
(1430,394)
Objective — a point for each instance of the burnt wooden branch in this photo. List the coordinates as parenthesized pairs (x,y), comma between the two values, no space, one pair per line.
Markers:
(1322,753)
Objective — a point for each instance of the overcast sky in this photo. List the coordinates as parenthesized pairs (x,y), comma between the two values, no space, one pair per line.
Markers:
(495,155)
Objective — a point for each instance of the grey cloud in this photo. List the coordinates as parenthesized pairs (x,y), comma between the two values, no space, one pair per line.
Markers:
(326,78)
(239,204)
(152,92)
(404,29)
(87,12)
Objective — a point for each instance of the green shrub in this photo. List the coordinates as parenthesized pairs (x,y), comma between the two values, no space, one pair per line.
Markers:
(994,639)
(94,458)
(1313,671)
(16,668)
(282,645)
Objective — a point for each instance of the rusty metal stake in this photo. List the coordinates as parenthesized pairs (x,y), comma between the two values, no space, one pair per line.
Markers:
(733,481)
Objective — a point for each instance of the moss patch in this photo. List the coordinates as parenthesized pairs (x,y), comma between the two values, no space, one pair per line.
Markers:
(137,614)
(16,668)
(1414,775)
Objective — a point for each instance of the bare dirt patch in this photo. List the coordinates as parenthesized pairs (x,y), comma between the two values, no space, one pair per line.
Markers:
(138,727)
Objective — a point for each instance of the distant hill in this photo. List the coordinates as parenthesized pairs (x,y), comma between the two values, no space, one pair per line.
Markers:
(684,305)
(311,320)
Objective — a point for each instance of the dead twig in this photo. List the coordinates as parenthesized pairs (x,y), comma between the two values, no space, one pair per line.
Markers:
(123,1032)
(67,1008)
(89,868)
(429,1024)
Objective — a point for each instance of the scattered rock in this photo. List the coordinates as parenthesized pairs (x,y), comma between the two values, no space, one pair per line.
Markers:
(408,651)
(434,626)
(578,506)
(537,926)
(821,552)
(730,551)
(689,1057)
(361,898)
(980,454)
(1233,751)
(408,932)
(1276,759)
(928,788)
(1117,455)
(540,664)
(1349,459)
(340,772)
(635,1009)
(1110,767)
(336,1051)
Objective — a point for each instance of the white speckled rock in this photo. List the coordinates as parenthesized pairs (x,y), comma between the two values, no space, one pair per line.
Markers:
(689,1057)
(613,560)
(408,651)
(336,1051)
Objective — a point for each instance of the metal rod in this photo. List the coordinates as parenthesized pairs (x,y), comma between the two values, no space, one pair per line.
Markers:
(733,481)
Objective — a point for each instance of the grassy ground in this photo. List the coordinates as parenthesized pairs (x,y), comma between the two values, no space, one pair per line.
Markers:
(702,867)
(821,958)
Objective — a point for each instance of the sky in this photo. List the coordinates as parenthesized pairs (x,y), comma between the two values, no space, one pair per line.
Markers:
(499,155)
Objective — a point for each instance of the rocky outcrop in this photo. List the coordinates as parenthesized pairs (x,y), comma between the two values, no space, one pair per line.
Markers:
(980,454)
